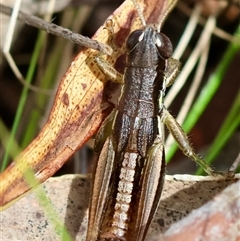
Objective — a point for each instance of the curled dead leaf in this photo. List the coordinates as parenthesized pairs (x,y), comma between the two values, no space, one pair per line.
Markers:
(78,110)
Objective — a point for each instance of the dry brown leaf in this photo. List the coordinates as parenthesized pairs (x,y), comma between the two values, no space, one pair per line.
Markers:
(78,109)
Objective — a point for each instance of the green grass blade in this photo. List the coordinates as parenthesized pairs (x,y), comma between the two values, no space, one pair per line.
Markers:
(4,137)
(23,99)
(229,126)
(48,207)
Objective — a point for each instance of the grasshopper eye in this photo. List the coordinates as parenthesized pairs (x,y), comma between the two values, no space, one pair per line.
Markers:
(164,46)
(133,39)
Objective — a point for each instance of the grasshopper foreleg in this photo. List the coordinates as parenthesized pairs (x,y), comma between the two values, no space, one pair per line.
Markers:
(108,70)
(171,72)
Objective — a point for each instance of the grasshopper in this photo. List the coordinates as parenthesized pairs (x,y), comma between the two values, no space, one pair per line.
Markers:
(129,174)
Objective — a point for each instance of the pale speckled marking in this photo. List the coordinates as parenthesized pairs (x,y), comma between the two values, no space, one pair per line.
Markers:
(124,195)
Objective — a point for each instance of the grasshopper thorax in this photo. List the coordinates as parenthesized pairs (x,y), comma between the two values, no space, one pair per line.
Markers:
(146,47)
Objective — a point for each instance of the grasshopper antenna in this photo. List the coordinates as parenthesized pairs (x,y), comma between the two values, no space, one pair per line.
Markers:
(165,14)
(140,13)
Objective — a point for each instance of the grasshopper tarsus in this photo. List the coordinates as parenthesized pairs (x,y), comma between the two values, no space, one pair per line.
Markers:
(230,174)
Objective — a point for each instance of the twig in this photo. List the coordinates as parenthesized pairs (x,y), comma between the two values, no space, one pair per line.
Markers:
(58,31)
